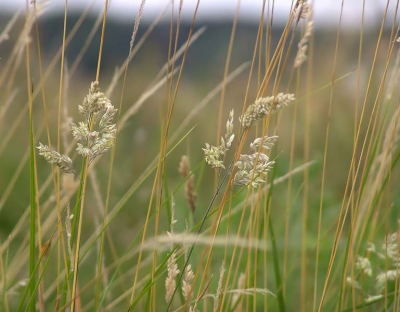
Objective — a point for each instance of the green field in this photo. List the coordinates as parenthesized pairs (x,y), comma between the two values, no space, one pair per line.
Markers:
(121,221)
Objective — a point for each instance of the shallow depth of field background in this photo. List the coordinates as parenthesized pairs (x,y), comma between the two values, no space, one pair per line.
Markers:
(138,142)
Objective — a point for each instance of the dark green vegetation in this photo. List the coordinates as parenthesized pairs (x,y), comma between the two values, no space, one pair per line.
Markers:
(280,228)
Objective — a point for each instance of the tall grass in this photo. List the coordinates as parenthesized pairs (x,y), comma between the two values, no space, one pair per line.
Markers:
(292,204)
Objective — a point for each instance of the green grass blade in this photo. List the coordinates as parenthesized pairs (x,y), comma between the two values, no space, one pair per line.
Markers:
(31,301)
(31,282)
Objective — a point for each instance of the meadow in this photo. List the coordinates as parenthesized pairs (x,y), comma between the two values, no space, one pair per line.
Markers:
(184,165)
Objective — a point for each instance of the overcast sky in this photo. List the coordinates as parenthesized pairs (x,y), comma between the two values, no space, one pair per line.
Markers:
(326,12)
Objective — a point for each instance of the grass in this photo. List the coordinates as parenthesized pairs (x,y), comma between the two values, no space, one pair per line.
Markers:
(309,222)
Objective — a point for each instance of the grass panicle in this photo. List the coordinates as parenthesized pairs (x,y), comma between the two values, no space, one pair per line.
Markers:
(102,233)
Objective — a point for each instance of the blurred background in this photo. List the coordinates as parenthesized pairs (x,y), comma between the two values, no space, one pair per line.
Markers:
(138,142)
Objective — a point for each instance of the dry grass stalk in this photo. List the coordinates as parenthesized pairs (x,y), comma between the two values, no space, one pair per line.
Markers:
(190,192)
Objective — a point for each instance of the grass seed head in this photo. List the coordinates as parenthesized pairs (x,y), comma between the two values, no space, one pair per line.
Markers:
(264,106)
(219,288)
(61,161)
(252,169)
(212,154)
(190,192)
(364,265)
(94,102)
